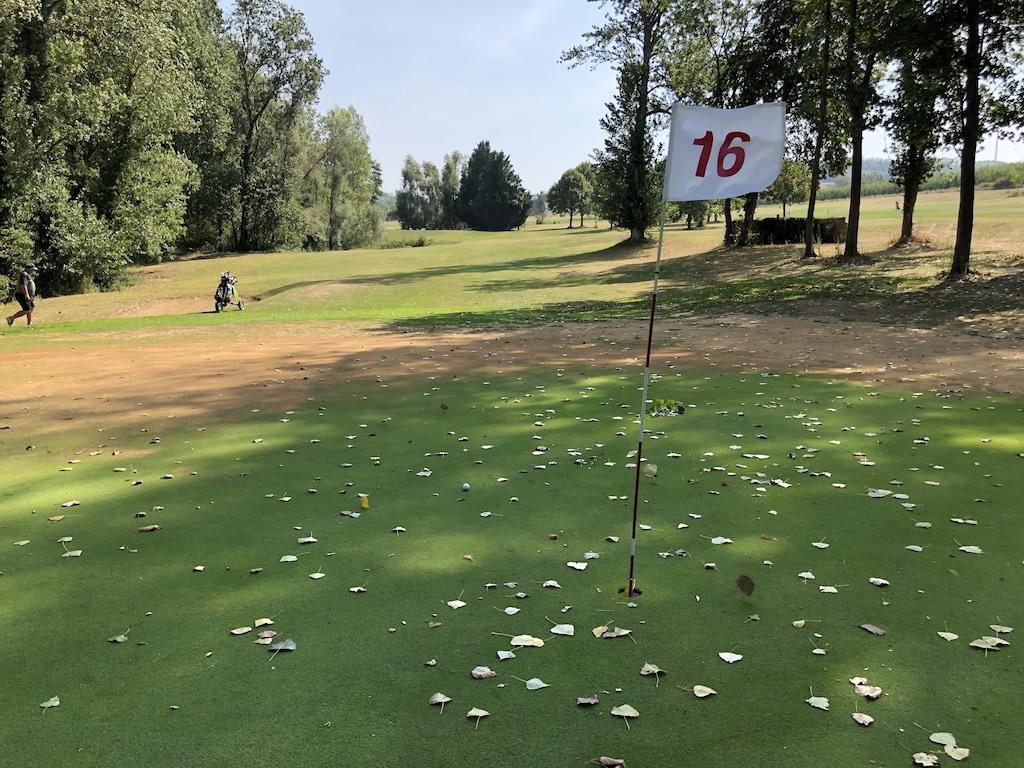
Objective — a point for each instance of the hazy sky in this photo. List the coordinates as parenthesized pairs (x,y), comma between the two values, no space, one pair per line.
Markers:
(431,76)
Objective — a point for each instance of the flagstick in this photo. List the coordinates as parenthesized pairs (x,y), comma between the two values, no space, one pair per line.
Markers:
(631,584)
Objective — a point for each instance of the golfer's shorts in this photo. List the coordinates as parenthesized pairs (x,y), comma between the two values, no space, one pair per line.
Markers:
(27,304)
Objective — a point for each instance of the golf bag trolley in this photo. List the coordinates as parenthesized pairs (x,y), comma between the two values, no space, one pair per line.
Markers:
(226,294)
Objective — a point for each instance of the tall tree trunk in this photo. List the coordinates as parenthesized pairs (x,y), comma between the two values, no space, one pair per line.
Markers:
(819,133)
(911,185)
(245,196)
(730,235)
(749,207)
(638,227)
(570,218)
(783,209)
(856,178)
(965,219)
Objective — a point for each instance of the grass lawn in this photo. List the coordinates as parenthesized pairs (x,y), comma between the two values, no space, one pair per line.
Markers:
(781,465)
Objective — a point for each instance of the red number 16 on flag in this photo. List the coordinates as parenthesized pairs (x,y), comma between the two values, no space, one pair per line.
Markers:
(726,151)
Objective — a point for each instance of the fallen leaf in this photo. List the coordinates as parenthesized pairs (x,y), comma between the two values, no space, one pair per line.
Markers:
(925,759)
(818,702)
(535,684)
(942,738)
(283,646)
(455,604)
(625,710)
(650,669)
(482,673)
(972,550)
(586,701)
(505,655)
(439,698)
(72,553)
(702,691)
(876,631)
(241,630)
(610,762)
(863,719)
(567,630)
(948,636)
(477,713)
(956,752)
(729,657)
(526,641)
(263,623)
(51,703)
(149,528)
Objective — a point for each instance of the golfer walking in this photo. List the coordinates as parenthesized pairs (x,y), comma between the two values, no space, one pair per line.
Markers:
(25,293)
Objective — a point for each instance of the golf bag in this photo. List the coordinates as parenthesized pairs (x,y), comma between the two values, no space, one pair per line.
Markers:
(226,295)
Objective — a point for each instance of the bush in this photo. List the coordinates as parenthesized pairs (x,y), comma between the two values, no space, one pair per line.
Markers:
(782,231)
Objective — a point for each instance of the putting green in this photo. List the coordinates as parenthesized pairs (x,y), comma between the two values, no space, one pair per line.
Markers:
(772,462)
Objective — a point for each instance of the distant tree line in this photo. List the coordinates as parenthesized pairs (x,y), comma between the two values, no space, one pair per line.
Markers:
(482,192)
(131,131)
(935,73)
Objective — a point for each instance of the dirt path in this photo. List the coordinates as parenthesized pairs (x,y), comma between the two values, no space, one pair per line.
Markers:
(113,381)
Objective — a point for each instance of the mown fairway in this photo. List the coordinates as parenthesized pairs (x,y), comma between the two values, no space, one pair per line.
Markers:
(802,474)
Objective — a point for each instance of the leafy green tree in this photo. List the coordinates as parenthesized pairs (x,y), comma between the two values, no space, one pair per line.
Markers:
(982,41)
(412,204)
(94,96)
(341,184)
(279,75)
(913,122)
(571,193)
(451,174)
(792,186)
(635,39)
(491,194)
(539,206)
(626,165)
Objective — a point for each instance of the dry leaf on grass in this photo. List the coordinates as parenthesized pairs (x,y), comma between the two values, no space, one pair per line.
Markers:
(482,673)
(702,691)
(956,752)
(241,630)
(610,762)
(876,631)
(925,759)
(625,711)
(586,701)
(478,714)
(526,641)
(863,719)
(50,703)
(440,698)
(818,702)
(729,657)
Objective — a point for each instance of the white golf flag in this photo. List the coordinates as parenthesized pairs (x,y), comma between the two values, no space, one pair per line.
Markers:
(719,153)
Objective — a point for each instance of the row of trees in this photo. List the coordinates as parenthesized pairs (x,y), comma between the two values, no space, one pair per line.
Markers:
(131,130)
(482,191)
(934,72)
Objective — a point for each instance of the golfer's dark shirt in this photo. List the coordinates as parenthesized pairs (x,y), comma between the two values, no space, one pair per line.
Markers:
(26,285)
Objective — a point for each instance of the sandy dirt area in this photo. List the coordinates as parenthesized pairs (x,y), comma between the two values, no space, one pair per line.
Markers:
(99,381)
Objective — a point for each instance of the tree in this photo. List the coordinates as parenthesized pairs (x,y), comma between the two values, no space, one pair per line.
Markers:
(539,206)
(626,165)
(451,174)
(342,183)
(983,44)
(571,193)
(635,40)
(411,202)
(279,75)
(866,32)
(491,195)
(94,96)
(913,122)
(792,186)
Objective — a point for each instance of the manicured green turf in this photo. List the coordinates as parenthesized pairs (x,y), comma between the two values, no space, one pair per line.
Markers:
(549,273)
(356,694)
